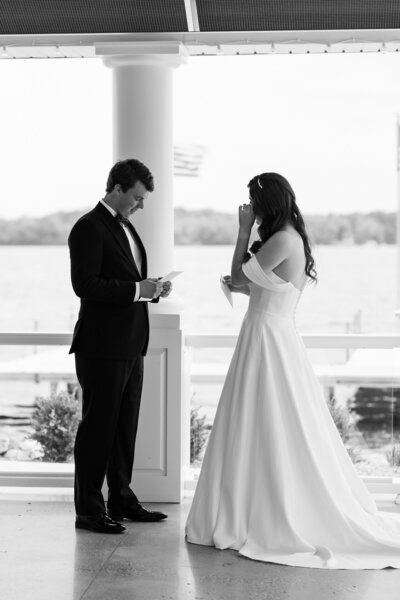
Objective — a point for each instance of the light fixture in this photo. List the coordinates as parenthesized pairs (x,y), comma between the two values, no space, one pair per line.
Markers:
(58,52)
(4,53)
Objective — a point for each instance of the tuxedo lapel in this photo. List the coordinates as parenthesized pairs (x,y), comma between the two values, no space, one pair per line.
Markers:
(119,235)
(141,248)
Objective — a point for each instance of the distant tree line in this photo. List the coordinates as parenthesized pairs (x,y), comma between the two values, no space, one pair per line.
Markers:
(51,229)
(210,227)
(356,228)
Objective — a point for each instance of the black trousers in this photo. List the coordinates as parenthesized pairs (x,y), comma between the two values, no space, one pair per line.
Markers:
(106,436)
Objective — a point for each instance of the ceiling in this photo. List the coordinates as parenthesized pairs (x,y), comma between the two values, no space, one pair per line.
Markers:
(21,17)
(91,16)
(197,23)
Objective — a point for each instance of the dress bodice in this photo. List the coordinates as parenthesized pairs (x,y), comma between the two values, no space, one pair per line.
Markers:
(269,293)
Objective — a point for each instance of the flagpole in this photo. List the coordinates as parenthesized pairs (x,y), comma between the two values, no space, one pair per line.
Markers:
(398,219)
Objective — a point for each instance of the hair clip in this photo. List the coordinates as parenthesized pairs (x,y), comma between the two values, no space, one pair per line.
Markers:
(259,183)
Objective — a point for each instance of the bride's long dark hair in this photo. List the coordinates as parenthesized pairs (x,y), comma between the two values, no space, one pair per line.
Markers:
(274,203)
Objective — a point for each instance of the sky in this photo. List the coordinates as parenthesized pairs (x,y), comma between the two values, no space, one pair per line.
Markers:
(327,122)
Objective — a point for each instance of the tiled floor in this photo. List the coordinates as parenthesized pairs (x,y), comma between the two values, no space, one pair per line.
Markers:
(42,557)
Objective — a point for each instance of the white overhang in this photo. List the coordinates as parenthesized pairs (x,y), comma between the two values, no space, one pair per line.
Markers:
(200,43)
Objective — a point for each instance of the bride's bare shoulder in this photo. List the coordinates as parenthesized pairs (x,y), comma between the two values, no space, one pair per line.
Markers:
(279,246)
(290,230)
(284,237)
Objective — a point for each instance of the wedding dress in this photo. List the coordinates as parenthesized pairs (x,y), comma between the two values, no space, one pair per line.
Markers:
(277,483)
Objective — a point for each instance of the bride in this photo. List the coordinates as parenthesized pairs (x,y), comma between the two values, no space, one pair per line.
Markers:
(277,483)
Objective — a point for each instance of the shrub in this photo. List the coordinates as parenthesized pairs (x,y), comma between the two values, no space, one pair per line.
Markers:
(28,449)
(55,420)
(342,417)
(198,434)
(393,455)
(355,454)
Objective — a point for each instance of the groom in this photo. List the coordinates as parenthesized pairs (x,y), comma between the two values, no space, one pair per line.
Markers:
(109,274)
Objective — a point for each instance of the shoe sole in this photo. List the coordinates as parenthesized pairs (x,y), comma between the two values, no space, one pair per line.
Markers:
(77,526)
(121,518)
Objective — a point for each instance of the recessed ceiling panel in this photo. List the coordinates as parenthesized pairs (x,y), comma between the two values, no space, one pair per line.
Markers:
(283,15)
(91,16)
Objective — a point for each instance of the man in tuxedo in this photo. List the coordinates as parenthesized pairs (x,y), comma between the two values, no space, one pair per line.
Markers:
(109,274)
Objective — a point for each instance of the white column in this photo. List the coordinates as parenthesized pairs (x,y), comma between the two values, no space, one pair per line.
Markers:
(143,129)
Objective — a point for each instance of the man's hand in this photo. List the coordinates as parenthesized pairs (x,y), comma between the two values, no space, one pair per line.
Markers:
(166,289)
(150,288)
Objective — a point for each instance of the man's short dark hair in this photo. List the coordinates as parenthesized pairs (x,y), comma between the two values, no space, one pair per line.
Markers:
(127,173)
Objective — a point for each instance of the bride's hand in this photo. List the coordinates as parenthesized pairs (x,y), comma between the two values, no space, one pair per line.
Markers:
(246,217)
(243,289)
(226,279)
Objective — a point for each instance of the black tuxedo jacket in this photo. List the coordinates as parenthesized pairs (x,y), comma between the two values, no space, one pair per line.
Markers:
(110,324)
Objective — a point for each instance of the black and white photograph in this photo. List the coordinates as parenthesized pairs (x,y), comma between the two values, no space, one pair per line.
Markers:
(200,299)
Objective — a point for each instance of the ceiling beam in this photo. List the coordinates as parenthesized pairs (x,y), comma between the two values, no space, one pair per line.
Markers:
(191,15)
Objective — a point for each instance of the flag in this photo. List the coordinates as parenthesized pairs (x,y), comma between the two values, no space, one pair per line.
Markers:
(188,159)
(398,144)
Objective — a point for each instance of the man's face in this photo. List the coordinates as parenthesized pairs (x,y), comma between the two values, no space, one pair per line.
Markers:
(131,200)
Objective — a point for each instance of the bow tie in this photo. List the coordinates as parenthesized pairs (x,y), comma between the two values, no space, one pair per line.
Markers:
(122,220)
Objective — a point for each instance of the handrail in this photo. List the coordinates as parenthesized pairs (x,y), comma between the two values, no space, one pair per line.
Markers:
(205,340)
(213,340)
(35,338)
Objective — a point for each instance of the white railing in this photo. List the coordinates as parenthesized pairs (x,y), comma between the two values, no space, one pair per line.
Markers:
(326,341)
(35,338)
(25,475)
(214,340)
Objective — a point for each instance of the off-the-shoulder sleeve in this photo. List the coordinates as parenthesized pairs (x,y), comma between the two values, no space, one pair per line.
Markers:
(253,271)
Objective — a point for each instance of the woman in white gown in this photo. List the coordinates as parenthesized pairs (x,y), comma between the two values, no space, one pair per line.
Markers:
(277,483)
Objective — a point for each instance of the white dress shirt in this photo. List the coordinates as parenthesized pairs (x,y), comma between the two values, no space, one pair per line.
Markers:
(137,255)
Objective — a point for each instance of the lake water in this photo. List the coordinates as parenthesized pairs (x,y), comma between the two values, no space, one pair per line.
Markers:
(35,290)
(356,289)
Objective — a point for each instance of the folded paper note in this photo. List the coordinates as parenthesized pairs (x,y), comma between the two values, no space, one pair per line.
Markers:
(171,275)
(226,290)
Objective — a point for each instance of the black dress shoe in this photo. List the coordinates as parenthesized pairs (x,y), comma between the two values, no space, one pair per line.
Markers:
(99,524)
(136,514)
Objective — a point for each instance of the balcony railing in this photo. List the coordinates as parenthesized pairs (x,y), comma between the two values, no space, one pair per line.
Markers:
(326,341)
(24,475)
(383,374)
